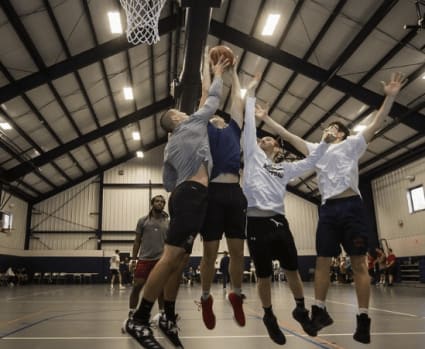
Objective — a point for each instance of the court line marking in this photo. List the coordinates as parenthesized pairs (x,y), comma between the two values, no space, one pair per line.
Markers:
(211,337)
(376,309)
(319,342)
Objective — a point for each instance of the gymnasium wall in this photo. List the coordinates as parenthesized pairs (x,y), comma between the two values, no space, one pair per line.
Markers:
(69,220)
(65,228)
(404,232)
(12,242)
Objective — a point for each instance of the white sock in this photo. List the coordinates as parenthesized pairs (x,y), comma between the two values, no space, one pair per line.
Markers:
(238,291)
(320,304)
(364,311)
(205,294)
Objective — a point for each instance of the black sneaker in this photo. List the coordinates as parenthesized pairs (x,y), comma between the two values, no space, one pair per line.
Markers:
(170,330)
(273,329)
(362,333)
(142,334)
(301,315)
(320,317)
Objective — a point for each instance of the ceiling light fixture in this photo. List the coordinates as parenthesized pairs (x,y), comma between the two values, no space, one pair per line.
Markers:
(115,22)
(5,126)
(243,92)
(271,24)
(128,93)
(140,154)
(136,136)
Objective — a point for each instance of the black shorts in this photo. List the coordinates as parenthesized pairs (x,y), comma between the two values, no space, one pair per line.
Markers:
(114,271)
(342,222)
(226,212)
(269,238)
(187,206)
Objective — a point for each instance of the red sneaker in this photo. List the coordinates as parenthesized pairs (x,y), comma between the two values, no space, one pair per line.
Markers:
(236,302)
(207,312)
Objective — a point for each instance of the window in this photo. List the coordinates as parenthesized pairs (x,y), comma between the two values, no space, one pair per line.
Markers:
(416,199)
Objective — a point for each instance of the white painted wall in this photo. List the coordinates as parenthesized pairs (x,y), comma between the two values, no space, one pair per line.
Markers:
(122,207)
(71,210)
(405,232)
(13,242)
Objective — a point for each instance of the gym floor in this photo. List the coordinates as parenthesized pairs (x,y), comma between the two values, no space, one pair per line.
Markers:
(90,316)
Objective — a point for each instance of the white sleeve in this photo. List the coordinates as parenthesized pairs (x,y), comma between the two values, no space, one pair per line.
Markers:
(357,145)
(297,168)
(249,134)
(311,146)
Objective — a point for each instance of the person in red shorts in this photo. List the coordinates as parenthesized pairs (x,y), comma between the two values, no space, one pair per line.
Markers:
(148,246)
(391,264)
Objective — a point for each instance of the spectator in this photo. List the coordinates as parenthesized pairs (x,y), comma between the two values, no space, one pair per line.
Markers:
(382,264)
(224,268)
(114,267)
(371,261)
(335,270)
(391,266)
(11,277)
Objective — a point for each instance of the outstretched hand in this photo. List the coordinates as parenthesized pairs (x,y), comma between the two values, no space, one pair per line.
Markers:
(393,87)
(220,66)
(260,112)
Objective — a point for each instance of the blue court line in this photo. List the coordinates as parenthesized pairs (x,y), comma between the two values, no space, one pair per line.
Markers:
(3,335)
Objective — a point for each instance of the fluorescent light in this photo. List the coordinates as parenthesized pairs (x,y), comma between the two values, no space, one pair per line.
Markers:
(423,76)
(140,154)
(115,22)
(3,106)
(359,128)
(271,24)
(136,136)
(243,92)
(5,126)
(128,93)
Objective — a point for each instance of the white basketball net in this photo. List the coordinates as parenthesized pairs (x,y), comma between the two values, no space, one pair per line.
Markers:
(142,20)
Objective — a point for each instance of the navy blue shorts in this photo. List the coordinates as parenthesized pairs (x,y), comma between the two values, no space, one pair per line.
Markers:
(342,222)
(226,212)
(187,206)
(269,238)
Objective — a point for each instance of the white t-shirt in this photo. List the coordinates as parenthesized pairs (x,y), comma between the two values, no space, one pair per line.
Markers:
(114,262)
(338,169)
(264,182)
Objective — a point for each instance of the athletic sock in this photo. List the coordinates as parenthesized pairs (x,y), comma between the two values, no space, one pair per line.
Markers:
(268,311)
(238,291)
(320,304)
(170,310)
(364,311)
(205,295)
(300,302)
(143,313)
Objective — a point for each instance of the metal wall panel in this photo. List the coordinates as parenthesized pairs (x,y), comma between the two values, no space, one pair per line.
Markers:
(61,241)
(72,210)
(303,217)
(394,221)
(12,242)
(138,170)
(123,207)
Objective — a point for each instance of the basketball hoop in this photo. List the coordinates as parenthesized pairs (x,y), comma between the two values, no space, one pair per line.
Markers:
(142,20)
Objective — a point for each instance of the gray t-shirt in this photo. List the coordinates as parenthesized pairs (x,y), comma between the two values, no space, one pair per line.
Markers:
(153,231)
(188,146)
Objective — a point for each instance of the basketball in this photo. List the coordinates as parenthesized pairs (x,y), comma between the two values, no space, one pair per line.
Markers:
(226,52)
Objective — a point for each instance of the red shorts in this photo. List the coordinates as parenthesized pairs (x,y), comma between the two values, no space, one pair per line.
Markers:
(144,268)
